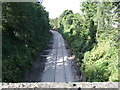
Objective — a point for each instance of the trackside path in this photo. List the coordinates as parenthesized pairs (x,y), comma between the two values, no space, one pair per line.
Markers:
(58,67)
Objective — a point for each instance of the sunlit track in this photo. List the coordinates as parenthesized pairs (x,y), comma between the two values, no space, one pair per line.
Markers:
(58,67)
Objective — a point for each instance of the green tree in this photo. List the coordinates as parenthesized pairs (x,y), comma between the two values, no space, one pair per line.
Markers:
(93,39)
(25,33)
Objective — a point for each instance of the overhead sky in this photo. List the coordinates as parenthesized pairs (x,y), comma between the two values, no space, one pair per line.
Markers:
(56,7)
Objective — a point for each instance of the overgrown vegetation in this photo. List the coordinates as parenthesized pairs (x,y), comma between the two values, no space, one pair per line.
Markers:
(25,33)
(93,38)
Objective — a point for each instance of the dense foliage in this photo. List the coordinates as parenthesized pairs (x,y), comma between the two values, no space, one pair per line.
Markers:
(25,33)
(93,39)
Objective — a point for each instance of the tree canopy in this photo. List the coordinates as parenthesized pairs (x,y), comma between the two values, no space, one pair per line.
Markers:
(93,37)
(25,33)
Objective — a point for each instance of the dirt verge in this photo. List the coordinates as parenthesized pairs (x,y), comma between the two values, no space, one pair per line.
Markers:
(35,73)
(74,62)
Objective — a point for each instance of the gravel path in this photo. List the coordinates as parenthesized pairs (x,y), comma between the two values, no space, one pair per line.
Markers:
(58,67)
